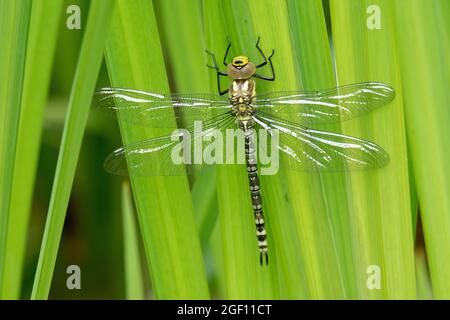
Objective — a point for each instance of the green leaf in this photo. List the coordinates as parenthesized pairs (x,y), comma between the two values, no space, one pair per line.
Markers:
(14,22)
(40,50)
(134,283)
(172,246)
(424,290)
(423,38)
(89,63)
(322,222)
(379,200)
(182,41)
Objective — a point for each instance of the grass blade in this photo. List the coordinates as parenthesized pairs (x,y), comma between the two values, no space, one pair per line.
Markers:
(133,273)
(314,70)
(163,204)
(180,28)
(179,24)
(204,200)
(83,87)
(14,22)
(380,212)
(423,283)
(423,35)
(41,43)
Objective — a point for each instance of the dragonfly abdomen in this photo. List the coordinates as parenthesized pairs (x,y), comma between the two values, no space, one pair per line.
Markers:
(252,170)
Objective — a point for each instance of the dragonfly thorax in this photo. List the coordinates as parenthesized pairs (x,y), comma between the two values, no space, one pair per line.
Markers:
(242,93)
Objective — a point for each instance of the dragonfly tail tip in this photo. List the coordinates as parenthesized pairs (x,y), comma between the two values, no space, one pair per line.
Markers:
(263,255)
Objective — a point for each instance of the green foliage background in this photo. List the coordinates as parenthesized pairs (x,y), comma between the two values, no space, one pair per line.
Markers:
(174,237)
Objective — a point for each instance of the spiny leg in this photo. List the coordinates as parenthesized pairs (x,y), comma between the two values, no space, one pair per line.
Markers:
(218,72)
(262,64)
(271,78)
(226,55)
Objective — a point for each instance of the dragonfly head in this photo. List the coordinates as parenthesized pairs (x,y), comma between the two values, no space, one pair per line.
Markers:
(240,61)
(241,68)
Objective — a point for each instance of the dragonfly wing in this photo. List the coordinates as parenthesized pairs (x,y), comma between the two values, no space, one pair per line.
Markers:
(325,106)
(157,110)
(166,155)
(313,150)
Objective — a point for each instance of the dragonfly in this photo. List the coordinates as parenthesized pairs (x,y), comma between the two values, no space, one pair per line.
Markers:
(294,115)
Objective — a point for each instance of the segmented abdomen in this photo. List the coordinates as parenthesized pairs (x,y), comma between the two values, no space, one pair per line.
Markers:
(252,170)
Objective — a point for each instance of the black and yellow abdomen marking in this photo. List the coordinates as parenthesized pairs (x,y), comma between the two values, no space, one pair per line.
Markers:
(252,170)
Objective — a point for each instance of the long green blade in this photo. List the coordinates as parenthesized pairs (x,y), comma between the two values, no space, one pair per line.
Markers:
(134,283)
(164,206)
(330,236)
(41,43)
(183,40)
(423,36)
(379,203)
(82,90)
(14,22)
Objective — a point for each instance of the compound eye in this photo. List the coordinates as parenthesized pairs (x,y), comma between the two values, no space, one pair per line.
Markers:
(239,61)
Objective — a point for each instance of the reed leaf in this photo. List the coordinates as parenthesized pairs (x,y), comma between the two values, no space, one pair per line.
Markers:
(379,201)
(134,283)
(40,51)
(14,23)
(163,203)
(81,95)
(423,40)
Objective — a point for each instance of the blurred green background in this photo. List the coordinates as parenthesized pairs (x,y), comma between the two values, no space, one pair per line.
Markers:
(324,230)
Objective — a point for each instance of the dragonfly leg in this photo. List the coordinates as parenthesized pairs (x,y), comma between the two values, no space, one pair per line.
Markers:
(221,92)
(271,78)
(226,55)
(219,73)
(215,66)
(262,64)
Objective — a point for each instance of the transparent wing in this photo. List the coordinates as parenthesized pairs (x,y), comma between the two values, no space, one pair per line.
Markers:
(325,106)
(163,155)
(306,149)
(157,110)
